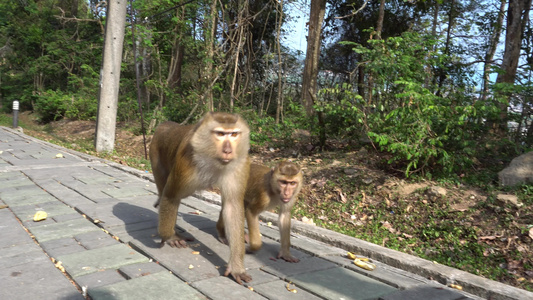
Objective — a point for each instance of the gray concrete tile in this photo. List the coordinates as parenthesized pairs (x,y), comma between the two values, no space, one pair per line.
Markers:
(100,278)
(277,290)
(12,233)
(141,269)
(37,278)
(64,229)
(341,283)
(90,261)
(285,269)
(25,213)
(394,277)
(222,288)
(423,292)
(95,239)
(63,246)
(161,285)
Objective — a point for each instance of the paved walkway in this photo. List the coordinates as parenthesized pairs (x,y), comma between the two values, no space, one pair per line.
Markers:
(100,240)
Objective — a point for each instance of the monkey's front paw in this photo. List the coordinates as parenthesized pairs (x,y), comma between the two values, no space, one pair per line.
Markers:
(239,277)
(176,242)
(223,240)
(288,258)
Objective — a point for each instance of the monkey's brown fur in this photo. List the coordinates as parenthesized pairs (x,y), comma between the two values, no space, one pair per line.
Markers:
(184,159)
(266,189)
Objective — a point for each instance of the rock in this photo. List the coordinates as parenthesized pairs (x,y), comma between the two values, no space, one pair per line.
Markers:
(368,180)
(350,171)
(436,191)
(363,151)
(306,220)
(520,170)
(512,199)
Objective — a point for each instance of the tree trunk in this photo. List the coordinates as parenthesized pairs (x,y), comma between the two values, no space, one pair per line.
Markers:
(309,81)
(517,17)
(110,76)
(279,107)
(211,55)
(491,51)
(381,16)
(442,71)
(176,61)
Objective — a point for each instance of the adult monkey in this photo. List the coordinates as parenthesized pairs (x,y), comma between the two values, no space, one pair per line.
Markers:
(185,159)
(266,189)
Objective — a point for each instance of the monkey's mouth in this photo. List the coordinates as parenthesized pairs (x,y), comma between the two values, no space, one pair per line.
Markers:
(285,200)
(225,161)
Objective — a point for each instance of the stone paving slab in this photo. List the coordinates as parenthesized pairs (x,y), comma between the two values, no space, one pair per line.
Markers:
(35,279)
(284,270)
(12,233)
(162,285)
(423,292)
(391,276)
(341,283)
(141,269)
(57,247)
(279,290)
(53,209)
(90,261)
(60,230)
(95,239)
(98,279)
(222,287)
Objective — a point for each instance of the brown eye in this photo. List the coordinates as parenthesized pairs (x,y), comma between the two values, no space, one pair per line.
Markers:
(219,133)
(234,134)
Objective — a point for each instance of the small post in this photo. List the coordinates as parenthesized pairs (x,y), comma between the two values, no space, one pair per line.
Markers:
(15,114)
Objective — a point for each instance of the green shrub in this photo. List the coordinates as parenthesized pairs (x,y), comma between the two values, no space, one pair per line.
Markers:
(52,105)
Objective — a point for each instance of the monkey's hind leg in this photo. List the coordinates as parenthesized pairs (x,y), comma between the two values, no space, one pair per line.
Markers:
(168,214)
(254,235)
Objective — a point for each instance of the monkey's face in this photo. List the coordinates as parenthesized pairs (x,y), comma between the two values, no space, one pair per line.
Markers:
(226,141)
(287,188)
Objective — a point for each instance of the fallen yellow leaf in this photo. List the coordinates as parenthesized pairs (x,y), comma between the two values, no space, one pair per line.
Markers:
(456,286)
(39,216)
(289,288)
(364,265)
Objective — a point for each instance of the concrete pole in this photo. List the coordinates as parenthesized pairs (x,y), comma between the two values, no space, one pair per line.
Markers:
(110,75)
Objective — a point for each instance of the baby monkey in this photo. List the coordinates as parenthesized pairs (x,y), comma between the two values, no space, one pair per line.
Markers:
(266,189)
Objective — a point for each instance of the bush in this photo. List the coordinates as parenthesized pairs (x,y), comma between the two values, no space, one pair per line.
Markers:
(52,105)
(420,130)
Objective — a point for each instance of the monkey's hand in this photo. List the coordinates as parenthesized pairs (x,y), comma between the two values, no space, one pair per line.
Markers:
(239,277)
(223,240)
(288,257)
(176,241)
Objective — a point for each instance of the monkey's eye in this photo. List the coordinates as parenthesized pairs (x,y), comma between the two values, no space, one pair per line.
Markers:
(293,183)
(220,133)
(234,134)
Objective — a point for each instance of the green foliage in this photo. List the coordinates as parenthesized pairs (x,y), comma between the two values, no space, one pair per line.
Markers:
(52,105)
(419,129)
(264,130)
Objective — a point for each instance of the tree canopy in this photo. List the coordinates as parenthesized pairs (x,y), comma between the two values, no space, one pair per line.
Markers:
(438,85)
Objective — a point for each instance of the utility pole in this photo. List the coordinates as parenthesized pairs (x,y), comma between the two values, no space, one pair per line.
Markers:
(110,75)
